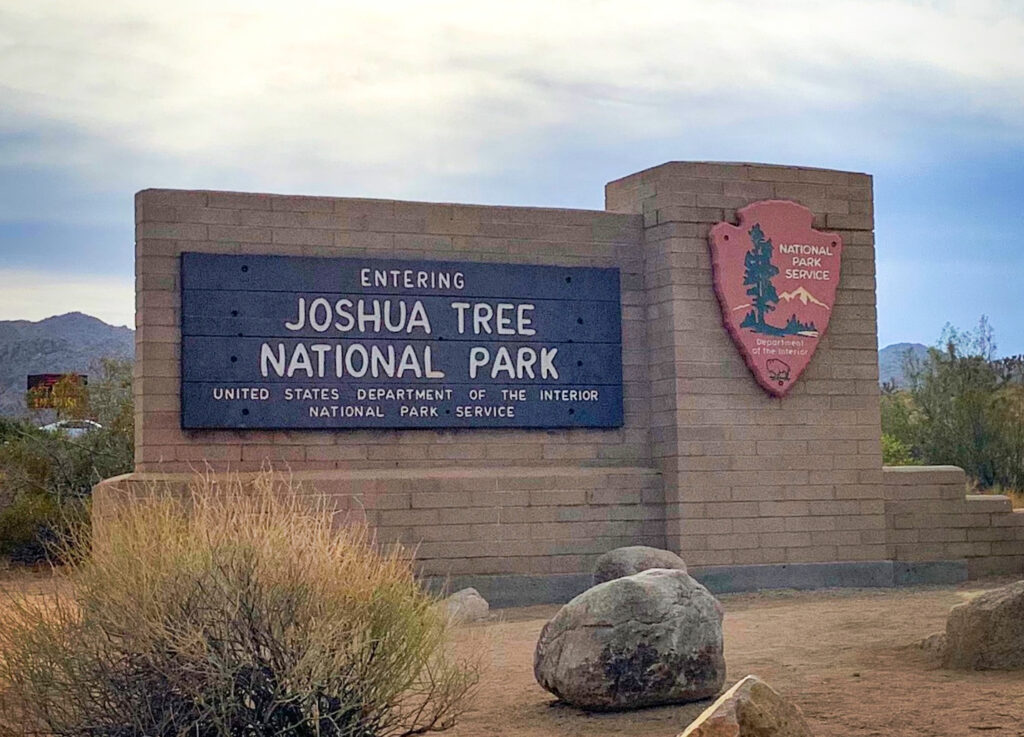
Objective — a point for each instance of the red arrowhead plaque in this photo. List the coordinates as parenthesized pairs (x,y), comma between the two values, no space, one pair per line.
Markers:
(776,280)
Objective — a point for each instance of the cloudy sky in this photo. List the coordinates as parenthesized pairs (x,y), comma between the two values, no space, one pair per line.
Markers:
(528,103)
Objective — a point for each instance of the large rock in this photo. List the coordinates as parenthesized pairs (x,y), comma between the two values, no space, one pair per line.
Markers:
(466,605)
(634,559)
(751,708)
(987,633)
(647,639)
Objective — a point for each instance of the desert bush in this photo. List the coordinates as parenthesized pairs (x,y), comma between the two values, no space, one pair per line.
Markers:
(47,477)
(45,483)
(963,407)
(233,609)
(895,452)
(29,525)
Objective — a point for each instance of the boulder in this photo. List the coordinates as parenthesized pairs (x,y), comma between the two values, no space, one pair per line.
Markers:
(466,605)
(934,643)
(642,640)
(751,708)
(987,632)
(634,559)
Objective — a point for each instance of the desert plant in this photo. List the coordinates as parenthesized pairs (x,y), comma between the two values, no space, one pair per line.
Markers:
(895,452)
(237,608)
(46,477)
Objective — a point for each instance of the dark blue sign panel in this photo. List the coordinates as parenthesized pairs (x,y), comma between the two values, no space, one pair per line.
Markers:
(286,342)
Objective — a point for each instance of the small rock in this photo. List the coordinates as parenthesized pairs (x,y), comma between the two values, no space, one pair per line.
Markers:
(751,708)
(642,640)
(466,605)
(934,643)
(987,632)
(634,559)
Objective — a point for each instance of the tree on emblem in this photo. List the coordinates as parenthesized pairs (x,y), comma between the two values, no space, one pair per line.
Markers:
(758,277)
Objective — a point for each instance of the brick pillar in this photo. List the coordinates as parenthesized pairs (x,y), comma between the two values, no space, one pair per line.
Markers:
(751,479)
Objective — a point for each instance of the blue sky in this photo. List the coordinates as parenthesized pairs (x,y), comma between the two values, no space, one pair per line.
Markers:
(532,103)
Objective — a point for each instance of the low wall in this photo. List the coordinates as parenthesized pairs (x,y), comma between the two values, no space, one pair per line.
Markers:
(486,522)
(531,535)
(929,517)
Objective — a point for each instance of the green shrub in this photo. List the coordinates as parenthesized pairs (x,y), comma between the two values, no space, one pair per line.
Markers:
(236,609)
(896,453)
(27,527)
(47,477)
(963,407)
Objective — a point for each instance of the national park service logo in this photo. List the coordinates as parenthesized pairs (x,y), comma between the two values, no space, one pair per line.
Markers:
(776,280)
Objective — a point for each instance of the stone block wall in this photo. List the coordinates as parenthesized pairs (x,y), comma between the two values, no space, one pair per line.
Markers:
(536,521)
(751,479)
(706,464)
(169,222)
(930,517)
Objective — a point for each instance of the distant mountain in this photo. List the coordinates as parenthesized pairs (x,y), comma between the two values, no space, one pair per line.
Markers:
(890,361)
(70,343)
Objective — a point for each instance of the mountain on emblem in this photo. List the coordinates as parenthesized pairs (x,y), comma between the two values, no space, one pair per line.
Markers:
(804,296)
(776,280)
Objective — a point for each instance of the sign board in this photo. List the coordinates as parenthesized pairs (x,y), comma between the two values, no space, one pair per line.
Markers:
(776,280)
(287,342)
(39,388)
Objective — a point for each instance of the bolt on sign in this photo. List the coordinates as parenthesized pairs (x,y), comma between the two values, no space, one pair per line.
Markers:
(776,280)
(285,342)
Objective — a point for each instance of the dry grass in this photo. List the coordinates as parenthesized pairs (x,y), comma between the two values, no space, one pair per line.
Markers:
(238,608)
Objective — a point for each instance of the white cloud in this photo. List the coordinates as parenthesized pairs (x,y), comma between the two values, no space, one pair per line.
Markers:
(312,90)
(34,295)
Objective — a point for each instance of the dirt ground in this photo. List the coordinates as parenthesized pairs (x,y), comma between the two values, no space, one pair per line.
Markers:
(848,657)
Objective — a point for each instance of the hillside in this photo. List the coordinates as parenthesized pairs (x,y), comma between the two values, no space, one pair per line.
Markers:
(60,344)
(890,361)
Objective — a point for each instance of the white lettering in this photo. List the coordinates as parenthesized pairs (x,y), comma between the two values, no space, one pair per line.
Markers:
(268,358)
(547,363)
(341,308)
(300,361)
(523,322)
(418,318)
(482,314)
(317,322)
(478,358)
(364,361)
(300,319)
(460,308)
(409,362)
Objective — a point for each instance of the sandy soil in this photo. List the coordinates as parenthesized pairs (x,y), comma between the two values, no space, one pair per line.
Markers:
(849,658)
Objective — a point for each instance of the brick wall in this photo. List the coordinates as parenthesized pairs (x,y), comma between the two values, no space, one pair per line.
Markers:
(169,222)
(751,479)
(707,463)
(929,517)
(479,521)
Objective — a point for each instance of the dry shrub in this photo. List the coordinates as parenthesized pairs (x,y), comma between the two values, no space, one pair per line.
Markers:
(235,609)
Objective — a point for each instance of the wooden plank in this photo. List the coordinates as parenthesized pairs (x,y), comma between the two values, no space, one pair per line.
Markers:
(346,275)
(237,313)
(333,407)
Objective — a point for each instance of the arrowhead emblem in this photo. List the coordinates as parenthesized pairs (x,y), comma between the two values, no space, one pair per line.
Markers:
(776,280)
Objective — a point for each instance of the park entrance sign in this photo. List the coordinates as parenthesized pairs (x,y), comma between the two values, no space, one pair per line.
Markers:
(290,342)
(514,391)
(776,279)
